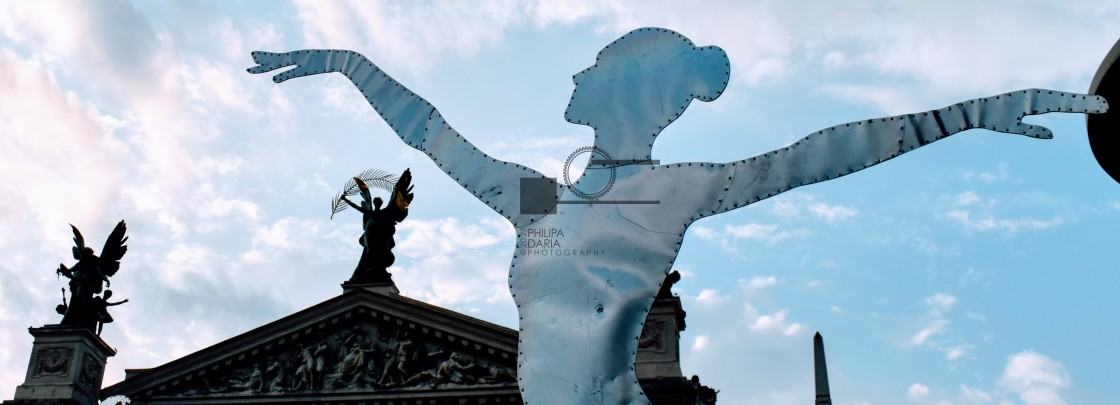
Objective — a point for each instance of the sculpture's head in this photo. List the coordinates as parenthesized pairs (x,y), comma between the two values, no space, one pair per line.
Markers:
(377,203)
(639,84)
(108,293)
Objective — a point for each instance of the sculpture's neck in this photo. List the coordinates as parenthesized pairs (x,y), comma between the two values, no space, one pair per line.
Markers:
(625,143)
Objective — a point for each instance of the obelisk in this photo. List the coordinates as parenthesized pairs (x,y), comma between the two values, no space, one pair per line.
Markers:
(823,397)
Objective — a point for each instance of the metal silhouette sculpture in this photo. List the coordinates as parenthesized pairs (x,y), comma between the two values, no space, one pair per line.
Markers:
(86,277)
(583,298)
(378,224)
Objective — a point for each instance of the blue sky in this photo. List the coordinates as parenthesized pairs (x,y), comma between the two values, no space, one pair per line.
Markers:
(978,270)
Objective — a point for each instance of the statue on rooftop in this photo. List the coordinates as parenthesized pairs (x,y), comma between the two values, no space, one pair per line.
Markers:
(378,224)
(86,278)
(583,298)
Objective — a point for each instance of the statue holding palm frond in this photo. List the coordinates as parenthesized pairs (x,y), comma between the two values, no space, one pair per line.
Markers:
(379,224)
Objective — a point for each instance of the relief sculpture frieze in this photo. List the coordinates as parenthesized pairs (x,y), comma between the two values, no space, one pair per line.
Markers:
(651,337)
(91,370)
(358,357)
(53,361)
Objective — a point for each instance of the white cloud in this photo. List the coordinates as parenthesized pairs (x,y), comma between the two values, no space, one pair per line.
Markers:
(1032,378)
(445,262)
(760,282)
(1035,378)
(440,237)
(888,98)
(975,316)
(776,322)
(917,392)
(986,222)
(768,42)
(185,263)
(975,395)
(817,283)
(546,154)
(835,309)
(708,297)
(937,327)
(699,343)
(941,302)
(790,234)
(753,231)
(408,34)
(966,198)
(956,352)
(341,98)
(790,205)
(936,323)
(750,231)
(704,232)
(785,207)
(223,207)
(768,233)
(53,139)
(1002,174)
(832,213)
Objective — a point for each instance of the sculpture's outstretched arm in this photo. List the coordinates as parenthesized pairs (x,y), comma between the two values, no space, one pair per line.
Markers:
(417,122)
(356,206)
(851,147)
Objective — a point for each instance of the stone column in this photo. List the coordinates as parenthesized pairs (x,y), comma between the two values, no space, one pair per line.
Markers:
(66,367)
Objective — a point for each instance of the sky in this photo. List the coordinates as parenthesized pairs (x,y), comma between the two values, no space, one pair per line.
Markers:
(980,269)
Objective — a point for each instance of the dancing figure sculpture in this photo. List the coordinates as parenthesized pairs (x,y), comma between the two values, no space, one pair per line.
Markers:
(582,307)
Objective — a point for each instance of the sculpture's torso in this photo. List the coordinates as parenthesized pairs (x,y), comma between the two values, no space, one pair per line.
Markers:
(585,277)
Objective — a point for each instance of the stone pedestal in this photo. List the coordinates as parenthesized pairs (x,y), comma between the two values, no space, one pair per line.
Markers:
(389,288)
(66,367)
(659,358)
(659,352)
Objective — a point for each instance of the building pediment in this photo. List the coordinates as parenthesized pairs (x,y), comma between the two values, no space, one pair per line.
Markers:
(362,345)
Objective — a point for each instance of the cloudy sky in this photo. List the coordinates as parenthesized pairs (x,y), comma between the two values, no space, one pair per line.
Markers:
(979,270)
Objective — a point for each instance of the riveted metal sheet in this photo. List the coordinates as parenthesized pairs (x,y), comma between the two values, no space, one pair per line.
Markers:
(585,273)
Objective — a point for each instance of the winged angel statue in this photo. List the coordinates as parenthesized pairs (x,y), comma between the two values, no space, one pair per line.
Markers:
(582,307)
(378,224)
(86,278)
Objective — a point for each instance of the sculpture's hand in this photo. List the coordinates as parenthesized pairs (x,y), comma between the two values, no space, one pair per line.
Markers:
(307,62)
(1005,112)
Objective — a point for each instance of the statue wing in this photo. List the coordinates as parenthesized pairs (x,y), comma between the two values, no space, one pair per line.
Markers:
(402,196)
(79,243)
(113,251)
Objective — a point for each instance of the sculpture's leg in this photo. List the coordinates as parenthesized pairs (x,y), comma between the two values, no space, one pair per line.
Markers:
(592,329)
